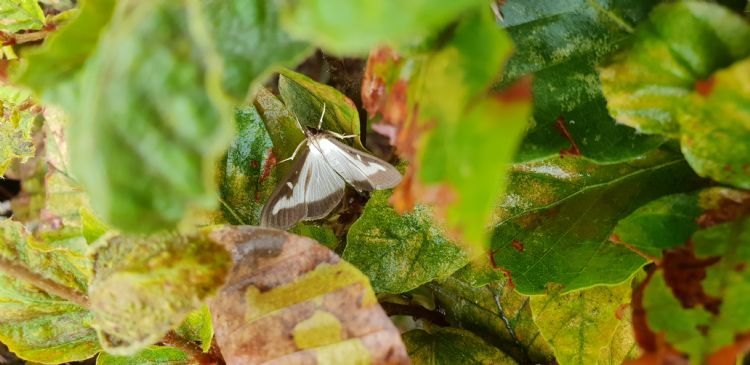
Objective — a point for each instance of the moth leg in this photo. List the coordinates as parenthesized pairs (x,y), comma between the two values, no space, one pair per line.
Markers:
(294,153)
(342,136)
(320,122)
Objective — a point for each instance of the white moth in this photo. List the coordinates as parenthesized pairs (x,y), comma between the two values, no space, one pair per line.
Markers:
(315,185)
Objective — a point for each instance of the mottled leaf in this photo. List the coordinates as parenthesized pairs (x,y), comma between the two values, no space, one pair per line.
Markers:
(249,39)
(580,325)
(698,297)
(716,135)
(458,140)
(149,124)
(669,221)
(560,44)
(64,52)
(18,15)
(247,176)
(35,325)
(344,26)
(648,85)
(16,125)
(446,346)
(290,300)
(305,98)
(146,285)
(555,222)
(496,313)
(197,327)
(400,252)
(154,355)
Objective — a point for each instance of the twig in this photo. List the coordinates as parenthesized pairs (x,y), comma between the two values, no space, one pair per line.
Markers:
(49,286)
(172,339)
(20,38)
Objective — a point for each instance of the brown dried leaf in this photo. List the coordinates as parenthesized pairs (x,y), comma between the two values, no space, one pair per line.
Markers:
(290,300)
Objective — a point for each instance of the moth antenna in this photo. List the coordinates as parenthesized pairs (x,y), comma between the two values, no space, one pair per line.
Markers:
(299,125)
(294,153)
(320,122)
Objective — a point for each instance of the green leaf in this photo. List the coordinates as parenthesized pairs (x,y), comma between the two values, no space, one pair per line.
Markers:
(321,310)
(58,62)
(16,125)
(648,85)
(281,125)
(146,285)
(150,122)
(664,223)
(352,27)
(555,222)
(446,346)
(705,316)
(560,43)
(716,139)
(247,176)
(580,325)
(458,140)
(305,98)
(18,15)
(33,324)
(495,312)
(670,221)
(680,325)
(248,37)
(400,252)
(153,355)
(197,327)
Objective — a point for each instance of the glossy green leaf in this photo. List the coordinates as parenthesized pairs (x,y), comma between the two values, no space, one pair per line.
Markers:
(154,355)
(580,325)
(197,327)
(248,37)
(18,15)
(352,27)
(495,312)
(305,98)
(716,139)
(150,123)
(292,301)
(560,44)
(400,252)
(146,285)
(247,175)
(57,61)
(33,324)
(446,346)
(459,140)
(555,222)
(649,83)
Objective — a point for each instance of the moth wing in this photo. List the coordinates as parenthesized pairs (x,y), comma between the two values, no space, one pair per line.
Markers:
(286,206)
(363,171)
(310,191)
(324,188)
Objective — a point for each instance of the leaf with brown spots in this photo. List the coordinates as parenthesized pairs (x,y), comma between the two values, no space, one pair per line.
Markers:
(291,300)
(696,301)
(459,138)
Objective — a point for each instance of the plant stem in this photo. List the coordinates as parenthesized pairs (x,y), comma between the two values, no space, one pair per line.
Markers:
(43,283)
(172,339)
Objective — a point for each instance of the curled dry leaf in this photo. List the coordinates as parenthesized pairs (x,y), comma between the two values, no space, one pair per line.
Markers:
(290,300)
